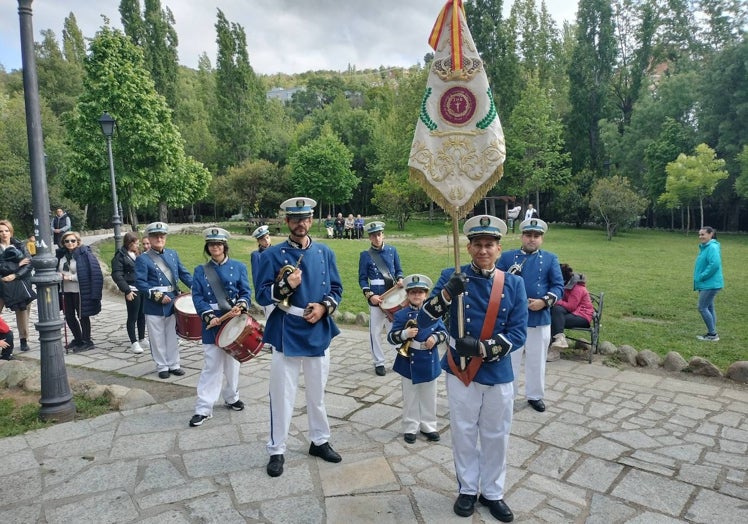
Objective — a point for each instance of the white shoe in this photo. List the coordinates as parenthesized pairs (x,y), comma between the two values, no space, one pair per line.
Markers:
(135,347)
(559,342)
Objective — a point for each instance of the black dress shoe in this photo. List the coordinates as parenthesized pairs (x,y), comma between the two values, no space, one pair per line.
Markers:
(537,404)
(464,505)
(163,374)
(178,372)
(275,466)
(410,438)
(379,370)
(498,509)
(431,436)
(325,452)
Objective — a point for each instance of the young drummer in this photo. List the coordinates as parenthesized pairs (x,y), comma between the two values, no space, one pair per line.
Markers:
(420,368)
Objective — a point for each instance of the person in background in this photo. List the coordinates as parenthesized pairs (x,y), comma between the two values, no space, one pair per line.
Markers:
(157,275)
(262,234)
(123,274)
(358,227)
(31,245)
(82,285)
(512,215)
(349,225)
(6,341)
(531,212)
(61,224)
(16,292)
(146,243)
(330,226)
(379,270)
(301,278)
(544,285)
(420,368)
(708,280)
(485,326)
(574,310)
(215,306)
(339,225)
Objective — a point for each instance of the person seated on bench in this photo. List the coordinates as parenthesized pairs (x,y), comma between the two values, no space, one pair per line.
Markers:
(574,310)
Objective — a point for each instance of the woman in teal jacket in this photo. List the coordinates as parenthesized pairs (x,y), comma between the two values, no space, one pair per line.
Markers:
(708,280)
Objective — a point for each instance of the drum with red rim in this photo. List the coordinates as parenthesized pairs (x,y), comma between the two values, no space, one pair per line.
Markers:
(189,325)
(240,337)
(393,300)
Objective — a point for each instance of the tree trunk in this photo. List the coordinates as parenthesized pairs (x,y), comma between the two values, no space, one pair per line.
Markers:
(163,212)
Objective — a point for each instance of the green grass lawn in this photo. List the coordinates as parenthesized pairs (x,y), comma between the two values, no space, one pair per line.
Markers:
(647,277)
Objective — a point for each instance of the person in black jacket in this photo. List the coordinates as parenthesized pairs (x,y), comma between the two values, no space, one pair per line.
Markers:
(123,274)
(82,284)
(16,291)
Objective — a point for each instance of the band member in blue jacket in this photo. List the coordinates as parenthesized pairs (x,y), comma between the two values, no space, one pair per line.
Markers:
(492,323)
(157,275)
(213,307)
(378,271)
(301,278)
(419,363)
(544,284)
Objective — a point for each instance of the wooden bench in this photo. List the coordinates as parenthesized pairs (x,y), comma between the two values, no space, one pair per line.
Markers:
(593,332)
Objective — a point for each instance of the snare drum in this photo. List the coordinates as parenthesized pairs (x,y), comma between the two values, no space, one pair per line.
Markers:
(393,300)
(189,325)
(240,337)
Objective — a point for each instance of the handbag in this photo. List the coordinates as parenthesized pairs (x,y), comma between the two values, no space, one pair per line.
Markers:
(17,293)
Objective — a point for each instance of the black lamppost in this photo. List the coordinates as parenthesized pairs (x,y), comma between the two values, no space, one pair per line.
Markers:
(107,127)
(56,400)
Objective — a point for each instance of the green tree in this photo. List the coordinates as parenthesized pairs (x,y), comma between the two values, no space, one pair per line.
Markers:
(589,82)
(397,196)
(254,187)
(693,177)
(60,81)
(240,96)
(73,44)
(535,161)
(149,156)
(741,184)
(321,170)
(616,203)
(160,49)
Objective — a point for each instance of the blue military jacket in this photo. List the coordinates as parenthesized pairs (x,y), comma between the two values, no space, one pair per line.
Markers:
(423,364)
(233,276)
(541,273)
(511,320)
(149,276)
(368,272)
(287,331)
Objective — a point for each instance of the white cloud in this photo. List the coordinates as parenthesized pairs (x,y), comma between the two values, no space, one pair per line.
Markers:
(288,36)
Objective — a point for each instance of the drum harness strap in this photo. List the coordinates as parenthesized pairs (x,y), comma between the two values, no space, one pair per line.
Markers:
(492,312)
(376,256)
(161,265)
(217,286)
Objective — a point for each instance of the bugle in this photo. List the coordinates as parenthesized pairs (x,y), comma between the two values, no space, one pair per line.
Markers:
(404,349)
(284,272)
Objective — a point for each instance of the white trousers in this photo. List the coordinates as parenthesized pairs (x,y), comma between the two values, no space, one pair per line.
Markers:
(482,415)
(162,335)
(419,406)
(536,352)
(217,365)
(378,323)
(284,380)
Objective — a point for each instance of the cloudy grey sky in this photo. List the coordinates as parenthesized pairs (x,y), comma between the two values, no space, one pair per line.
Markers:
(289,36)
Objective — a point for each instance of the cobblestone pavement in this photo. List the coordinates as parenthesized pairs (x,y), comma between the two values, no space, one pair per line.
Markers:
(613,446)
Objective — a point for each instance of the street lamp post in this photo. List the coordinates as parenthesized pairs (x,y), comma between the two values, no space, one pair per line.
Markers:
(107,128)
(56,400)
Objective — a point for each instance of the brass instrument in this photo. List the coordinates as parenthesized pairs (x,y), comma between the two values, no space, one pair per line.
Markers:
(404,349)
(284,272)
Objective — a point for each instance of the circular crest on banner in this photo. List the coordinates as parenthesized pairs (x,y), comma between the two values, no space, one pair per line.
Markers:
(457,105)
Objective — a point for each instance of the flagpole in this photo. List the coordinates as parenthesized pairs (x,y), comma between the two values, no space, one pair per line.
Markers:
(460,308)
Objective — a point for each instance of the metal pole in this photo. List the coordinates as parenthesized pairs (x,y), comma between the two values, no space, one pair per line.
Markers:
(56,400)
(116,221)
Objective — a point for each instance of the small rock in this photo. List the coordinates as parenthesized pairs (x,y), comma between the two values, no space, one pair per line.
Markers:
(95,392)
(674,362)
(628,354)
(701,366)
(606,348)
(79,387)
(362,319)
(647,358)
(738,371)
(136,398)
(348,318)
(33,384)
(115,393)
(14,373)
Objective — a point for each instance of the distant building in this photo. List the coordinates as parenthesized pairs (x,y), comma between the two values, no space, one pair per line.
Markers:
(284,95)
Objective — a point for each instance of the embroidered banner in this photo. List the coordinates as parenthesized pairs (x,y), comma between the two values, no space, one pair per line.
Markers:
(458,150)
